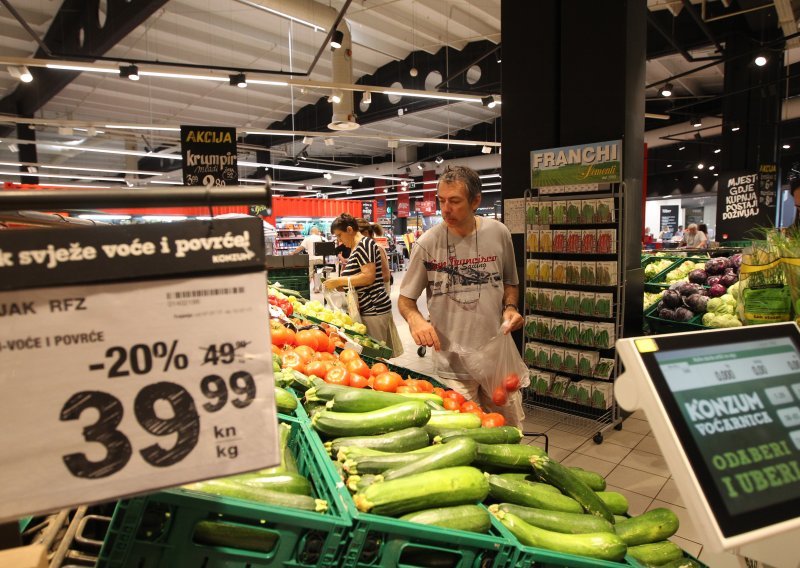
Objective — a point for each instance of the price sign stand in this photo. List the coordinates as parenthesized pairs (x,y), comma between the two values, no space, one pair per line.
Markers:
(132,358)
(724,406)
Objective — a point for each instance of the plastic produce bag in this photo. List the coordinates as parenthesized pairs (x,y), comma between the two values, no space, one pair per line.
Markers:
(763,296)
(336,300)
(497,366)
(352,302)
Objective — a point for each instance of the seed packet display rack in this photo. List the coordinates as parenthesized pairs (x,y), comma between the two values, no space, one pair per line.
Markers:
(574,305)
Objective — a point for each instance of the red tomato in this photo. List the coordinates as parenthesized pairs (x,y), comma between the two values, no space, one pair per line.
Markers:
(412,383)
(500,396)
(306,337)
(277,350)
(511,382)
(424,386)
(321,356)
(338,376)
(281,335)
(358,366)
(358,381)
(292,360)
(451,404)
(387,382)
(493,420)
(348,355)
(469,406)
(476,411)
(306,353)
(458,397)
(379,368)
(371,382)
(439,391)
(406,389)
(318,368)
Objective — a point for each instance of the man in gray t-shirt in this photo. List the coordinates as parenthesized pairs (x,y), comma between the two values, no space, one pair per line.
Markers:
(466,266)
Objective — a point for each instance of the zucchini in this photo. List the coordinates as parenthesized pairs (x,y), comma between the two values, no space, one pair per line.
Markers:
(239,491)
(389,419)
(443,487)
(529,495)
(326,391)
(595,481)
(363,400)
(617,503)
(337,465)
(500,435)
(458,452)
(285,482)
(234,535)
(656,553)
(620,518)
(356,483)
(530,478)
(473,518)
(300,381)
(507,457)
(434,406)
(600,545)
(653,526)
(570,484)
(285,401)
(557,521)
(400,441)
(357,463)
(352,452)
(287,459)
(452,420)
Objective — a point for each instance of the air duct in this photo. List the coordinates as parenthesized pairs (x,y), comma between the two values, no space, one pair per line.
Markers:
(344,117)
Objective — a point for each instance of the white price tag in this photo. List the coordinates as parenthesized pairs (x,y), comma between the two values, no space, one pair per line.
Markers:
(114,389)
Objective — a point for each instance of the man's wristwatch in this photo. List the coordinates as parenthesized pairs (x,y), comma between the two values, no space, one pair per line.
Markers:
(513,306)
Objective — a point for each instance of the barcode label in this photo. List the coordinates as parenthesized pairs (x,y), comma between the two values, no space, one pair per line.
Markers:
(204,293)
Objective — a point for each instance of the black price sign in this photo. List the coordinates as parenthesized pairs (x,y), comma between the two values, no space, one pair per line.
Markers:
(209,156)
(669,217)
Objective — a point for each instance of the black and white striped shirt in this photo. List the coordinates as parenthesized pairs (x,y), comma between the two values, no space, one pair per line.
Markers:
(372,299)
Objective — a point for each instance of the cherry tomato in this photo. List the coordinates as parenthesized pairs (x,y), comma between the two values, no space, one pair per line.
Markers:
(458,397)
(451,404)
(358,381)
(493,420)
(348,355)
(338,376)
(500,396)
(379,368)
(358,366)
(511,382)
(387,382)
(306,337)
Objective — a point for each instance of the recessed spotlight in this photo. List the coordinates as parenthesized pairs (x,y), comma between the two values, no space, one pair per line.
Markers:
(680,149)
(669,165)
(717,150)
(366,98)
(697,122)
(700,166)
(760,60)
(694,177)
(712,168)
(360,179)
(129,72)
(787,146)
(335,98)
(238,80)
(666,90)
(735,129)
(716,174)
(489,101)
(337,39)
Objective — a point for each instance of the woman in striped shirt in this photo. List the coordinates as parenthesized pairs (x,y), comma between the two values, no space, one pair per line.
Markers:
(365,271)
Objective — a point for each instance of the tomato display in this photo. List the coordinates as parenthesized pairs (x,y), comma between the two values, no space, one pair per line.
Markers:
(305,352)
(358,381)
(458,397)
(357,366)
(280,334)
(387,382)
(348,355)
(493,420)
(291,360)
(338,376)
(379,368)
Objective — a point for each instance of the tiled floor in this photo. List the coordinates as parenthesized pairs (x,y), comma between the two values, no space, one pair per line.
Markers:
(629,458)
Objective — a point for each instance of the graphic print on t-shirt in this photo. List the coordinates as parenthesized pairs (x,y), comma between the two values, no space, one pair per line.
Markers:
(461,279)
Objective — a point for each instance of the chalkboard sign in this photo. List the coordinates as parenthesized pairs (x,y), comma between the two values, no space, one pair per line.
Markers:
(745,201)
(209,156)
(669,217)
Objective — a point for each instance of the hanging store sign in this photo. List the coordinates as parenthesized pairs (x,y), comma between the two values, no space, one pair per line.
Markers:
(600,162)
(403,205)
(368,210)
(209,156)
(741,205)
(117,388)
(380,208)
(669,217)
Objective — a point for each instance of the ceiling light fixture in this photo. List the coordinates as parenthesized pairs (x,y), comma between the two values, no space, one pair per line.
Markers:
(786,146)
(238,80)
(694,177)
(669,165)
(360,179)
(681,148)
(666,90)
(336,97)
(697,122)
(366,98)
(486,150)
(129,72)
(735,127)
(712,168)
(760,60)
(489,101)
(421,166)
(717,150)
(337,39)
(499,56)
(308,140)
(329,141)
(20,72)
(700,166)
(327,175)
(439,159)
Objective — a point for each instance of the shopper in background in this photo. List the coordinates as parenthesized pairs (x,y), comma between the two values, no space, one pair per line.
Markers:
(365,271)
(703,228)
(466,266)
(665,234)
(307,246)
(342,254)
(678,236)
(373,230)
(648,237)
(694,238)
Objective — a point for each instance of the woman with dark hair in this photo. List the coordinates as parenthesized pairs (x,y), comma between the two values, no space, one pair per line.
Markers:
(364,270)
(373,230)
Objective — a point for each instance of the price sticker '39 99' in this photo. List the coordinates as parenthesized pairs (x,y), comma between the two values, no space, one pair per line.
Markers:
(115,389)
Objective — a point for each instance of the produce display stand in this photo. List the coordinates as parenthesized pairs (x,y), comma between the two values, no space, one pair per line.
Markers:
(590,263)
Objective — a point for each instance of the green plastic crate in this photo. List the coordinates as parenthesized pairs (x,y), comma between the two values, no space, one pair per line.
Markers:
(657,325)
(299,413)
(157,530)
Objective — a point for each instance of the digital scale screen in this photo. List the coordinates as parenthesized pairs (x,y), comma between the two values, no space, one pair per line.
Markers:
(734,403)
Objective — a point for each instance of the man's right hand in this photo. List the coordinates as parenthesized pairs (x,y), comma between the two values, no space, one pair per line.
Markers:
(423,333)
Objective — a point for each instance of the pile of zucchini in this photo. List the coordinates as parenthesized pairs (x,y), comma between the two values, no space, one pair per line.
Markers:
(409,458)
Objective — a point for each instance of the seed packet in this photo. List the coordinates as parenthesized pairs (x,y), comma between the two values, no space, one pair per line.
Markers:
(605,210)
(545,240)
(603,302)
(584,394)
(571,392)
(572,332)
(543,325)
(542,356)
(530,298)
(586,306)
(571,301)
(557,330)
(587,361)
(588,276)
(587,332)
(558,386)
(559,299)
(606,241)
(557,358)
(545,271)
(537,327)
(559,212)
(604,369)
(533,240)
(560,271)
(607,273)
(530,353)
(604,335)
(573,272)
(530,326)
(574,241)
(588,211)
(542,382)
(559,241)
(570,364)
(532,213)
(588,241)
(544,299)
(545,212)
(602,395)
(532,269)
(573,212)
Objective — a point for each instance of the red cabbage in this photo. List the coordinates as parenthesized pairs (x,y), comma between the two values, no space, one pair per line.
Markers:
(696,302)
(698,276)
(683,314)
(717,290)
(715,266)
(688,288)
(728,280)
(666,313)
(736,261)
(671,299)
(713,280)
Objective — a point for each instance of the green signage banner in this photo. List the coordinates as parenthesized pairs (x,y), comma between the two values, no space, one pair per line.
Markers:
(600,162)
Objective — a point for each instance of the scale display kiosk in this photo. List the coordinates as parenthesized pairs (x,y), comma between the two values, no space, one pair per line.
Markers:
(724,406)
